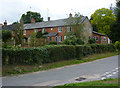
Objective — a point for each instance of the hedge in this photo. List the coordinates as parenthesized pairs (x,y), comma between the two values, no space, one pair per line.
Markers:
(52,53)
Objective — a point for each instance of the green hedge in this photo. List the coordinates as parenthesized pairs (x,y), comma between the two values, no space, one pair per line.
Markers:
(52,53)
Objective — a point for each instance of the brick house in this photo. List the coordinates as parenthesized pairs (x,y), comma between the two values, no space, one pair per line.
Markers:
(56,29)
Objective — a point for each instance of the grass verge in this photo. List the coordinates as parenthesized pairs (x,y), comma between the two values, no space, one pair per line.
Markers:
(9,70)
(107,83)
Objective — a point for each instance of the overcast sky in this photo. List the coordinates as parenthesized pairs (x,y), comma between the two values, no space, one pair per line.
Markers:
(11,10)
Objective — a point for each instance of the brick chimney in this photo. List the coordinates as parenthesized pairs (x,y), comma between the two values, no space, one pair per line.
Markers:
(32,20)
(70,15)
(5,23)
(48,18)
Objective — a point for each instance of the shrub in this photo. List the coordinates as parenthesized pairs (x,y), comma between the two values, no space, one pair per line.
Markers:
(91,41)
(53,43)
(117,45)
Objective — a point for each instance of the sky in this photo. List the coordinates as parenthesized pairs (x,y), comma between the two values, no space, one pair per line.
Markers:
(12,10)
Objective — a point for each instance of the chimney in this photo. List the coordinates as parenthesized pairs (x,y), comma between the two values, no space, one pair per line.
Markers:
(48,18)
(70,15)
(5,23)
(32,20)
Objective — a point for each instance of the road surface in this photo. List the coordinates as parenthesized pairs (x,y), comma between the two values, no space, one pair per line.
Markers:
(95,70)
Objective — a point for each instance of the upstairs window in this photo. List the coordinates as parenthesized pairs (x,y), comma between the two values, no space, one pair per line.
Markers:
(24,32)
(59,29)
(68,29)
(90,30)
(43,30)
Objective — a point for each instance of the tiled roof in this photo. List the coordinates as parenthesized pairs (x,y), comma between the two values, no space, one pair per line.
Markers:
(46,24)
(51,34)
(98,33)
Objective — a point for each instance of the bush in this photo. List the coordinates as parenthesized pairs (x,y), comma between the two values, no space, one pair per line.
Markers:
(53,43)
(117,45)
(73,41)
(51,53)
(91,41)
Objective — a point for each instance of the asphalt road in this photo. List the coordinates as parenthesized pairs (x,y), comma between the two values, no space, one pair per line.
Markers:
(96,70)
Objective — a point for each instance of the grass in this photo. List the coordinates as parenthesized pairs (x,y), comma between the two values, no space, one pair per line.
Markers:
(9,70)
(96,84)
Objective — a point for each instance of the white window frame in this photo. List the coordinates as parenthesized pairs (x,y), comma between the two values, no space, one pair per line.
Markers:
(60,39)
(35,30)
(56,39)
(24,32)
(104,38)
(96,38)
(69,29)
(43,30)
(59,29)
(90,29)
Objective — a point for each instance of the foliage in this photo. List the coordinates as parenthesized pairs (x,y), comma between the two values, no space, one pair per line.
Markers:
(52,43)
(91,41)
(77,27)
(102,19)
(33,39)
(51,53)
(39,34)
(29,15)
(73,41)
(6,35)
(18,33)
(115,27)
(117,45)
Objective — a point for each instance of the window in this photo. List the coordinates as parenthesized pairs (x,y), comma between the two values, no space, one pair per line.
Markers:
(68,29)
(60,38)
(104,38)
(64,37)
(50,38)
(83,28)
(96,38)
(24,33)
(51,29)
(90,29)
(43,30)
(56,38)
(12,32)
(59,29)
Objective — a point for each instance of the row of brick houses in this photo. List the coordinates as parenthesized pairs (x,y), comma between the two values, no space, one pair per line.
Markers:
(56,30)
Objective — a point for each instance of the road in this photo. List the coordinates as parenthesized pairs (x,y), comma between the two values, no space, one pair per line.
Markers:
(95,70)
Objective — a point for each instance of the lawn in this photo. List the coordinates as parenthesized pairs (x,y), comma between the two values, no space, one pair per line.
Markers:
(107,83)
(9,70)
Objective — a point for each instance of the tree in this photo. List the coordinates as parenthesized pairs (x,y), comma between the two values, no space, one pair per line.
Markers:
(29,15)
(76,25)
(102,19)
(6,35)
(115,27)
(19,33)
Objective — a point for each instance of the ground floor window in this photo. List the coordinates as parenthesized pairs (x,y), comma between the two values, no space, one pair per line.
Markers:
(104,38)
(50,38)
(60,38)
(56,38)
(64,37)
(96,38)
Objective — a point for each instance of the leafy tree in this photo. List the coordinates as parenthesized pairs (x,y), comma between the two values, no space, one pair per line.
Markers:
(29,15)
(6,35)
(102,19)
(91,41)
(19,33)
(77,27)
(115,27)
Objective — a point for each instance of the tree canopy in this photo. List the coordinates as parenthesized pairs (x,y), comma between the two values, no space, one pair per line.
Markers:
(6,35)
(101,19)
(115,26)
(29,15)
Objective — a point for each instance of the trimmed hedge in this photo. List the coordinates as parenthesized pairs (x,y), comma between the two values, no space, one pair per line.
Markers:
(52,53)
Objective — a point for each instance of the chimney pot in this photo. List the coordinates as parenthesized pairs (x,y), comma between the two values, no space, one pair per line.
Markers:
(70,15)
(48,18)
(32,20)
(5,23)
